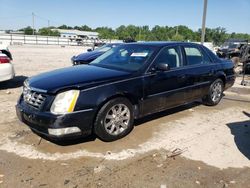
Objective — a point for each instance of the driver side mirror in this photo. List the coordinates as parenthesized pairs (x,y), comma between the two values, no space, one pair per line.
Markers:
(162,67)
(89,50)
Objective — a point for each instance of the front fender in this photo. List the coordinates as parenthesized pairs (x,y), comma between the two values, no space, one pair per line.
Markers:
(95,97)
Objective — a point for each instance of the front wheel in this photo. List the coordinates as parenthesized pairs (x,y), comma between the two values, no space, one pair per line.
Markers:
(215,93)
(114,120)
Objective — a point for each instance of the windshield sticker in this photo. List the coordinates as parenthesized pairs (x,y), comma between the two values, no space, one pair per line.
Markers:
(139,54)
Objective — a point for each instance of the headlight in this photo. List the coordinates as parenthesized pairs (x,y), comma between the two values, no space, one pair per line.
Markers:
(65,102)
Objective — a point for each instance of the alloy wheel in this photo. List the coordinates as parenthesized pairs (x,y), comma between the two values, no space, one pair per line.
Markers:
(216,92)
(117,119)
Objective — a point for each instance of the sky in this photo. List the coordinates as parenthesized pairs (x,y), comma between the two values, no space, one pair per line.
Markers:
(230,14)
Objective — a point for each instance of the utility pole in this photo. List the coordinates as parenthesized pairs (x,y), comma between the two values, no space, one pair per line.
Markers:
(204,22)
(33,22)
(48,23)
(48,28)
(139,33)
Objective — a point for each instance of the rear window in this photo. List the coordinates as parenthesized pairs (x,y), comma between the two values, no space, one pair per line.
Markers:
(195,56)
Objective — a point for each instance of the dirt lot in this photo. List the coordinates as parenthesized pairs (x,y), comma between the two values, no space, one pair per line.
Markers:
(213,142)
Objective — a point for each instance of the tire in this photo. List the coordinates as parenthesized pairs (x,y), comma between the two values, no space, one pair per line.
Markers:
(215,93)
(114,120)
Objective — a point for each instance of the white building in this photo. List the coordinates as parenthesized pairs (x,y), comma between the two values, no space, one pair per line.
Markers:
(74,34)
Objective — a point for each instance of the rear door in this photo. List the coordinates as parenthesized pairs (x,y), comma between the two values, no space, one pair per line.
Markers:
(200,70)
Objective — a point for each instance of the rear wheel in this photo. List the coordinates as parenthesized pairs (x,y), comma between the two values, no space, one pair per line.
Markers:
(114,120)
(215,93)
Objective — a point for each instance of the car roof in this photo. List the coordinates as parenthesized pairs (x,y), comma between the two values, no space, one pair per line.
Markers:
(162,43)
(113,43)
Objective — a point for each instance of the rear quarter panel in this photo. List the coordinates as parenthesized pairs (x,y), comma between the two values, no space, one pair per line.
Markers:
(228,69)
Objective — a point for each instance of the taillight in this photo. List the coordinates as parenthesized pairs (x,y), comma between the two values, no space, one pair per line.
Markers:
(4,59)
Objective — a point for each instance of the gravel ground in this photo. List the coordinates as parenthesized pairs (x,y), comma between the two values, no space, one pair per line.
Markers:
(189,146)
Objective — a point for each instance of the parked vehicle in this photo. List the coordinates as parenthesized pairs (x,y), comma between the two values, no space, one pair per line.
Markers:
(6,68)
(5,50)
(245,54)
(125,83)
(89,56)
(246,74)
(231,49)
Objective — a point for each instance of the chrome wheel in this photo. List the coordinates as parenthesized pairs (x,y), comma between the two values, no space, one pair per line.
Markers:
(216,92)
(117,119)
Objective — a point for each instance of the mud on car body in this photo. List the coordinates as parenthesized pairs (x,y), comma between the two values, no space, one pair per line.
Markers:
(125,83)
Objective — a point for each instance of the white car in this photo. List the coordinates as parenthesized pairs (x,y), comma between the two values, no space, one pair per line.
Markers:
(6,68)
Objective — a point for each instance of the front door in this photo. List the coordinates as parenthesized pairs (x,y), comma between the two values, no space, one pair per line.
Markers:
(165,89)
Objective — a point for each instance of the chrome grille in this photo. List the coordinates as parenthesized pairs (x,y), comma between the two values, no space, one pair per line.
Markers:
(33,98)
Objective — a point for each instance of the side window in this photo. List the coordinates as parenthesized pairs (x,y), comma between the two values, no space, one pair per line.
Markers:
(206,59)
(169,56)
(195,56)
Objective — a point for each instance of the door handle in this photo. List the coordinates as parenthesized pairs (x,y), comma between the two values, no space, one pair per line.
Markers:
(211,72)
(182,77)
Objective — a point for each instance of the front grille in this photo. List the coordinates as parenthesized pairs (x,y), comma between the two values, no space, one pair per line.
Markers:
(33,98)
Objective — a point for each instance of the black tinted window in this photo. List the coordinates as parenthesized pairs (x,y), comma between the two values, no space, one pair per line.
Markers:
(169,56)
(195,56)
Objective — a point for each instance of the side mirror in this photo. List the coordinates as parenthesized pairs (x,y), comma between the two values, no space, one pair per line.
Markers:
(89,50)
(162,67)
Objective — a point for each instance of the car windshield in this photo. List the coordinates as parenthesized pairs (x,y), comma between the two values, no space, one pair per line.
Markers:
(126,57)
(105,47)
(233,45)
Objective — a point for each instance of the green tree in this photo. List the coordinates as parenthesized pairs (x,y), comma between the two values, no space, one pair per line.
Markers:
(144,32)
(159,33)
(219,35)
(106,33)
(85,28)
(178,37)
(184,33)
(27,30)
(121,32)
(48,32)
(65,27)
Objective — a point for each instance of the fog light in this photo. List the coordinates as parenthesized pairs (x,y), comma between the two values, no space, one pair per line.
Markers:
(64,131)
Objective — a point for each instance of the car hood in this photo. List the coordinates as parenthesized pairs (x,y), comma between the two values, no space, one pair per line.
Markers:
(88,56)
(77,77)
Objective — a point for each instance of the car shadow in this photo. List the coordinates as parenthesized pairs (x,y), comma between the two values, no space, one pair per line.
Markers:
(75,141)
(13,83)
(166,112)
(68,141)
(241,132)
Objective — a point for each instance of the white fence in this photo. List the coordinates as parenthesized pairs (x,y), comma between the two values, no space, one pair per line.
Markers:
(16,39)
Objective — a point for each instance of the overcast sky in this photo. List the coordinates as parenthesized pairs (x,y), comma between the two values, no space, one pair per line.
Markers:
(234,15)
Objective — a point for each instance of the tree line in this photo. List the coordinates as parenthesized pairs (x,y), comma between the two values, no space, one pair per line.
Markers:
(144,33)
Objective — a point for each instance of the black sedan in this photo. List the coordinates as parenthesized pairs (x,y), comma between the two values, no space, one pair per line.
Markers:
(125,83)
(86,58)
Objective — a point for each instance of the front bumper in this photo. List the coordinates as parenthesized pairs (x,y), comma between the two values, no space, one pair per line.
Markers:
(40,121)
